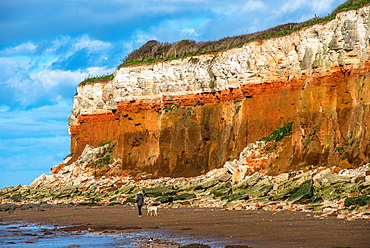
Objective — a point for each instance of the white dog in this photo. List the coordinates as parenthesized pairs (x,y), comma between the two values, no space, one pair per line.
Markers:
(152,210)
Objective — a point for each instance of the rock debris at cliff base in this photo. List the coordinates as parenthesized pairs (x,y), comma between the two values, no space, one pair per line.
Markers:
(236,186)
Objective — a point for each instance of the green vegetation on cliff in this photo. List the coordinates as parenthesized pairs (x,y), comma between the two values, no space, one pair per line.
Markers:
(154,51)
(98,78)
(352,4)
(279,133)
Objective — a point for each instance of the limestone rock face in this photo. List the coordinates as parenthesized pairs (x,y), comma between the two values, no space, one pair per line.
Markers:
(188,116)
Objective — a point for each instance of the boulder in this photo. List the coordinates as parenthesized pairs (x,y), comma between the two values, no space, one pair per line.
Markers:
(42,180)
(233,205)
(231,166)
(302,195)
(288,187)
(208,183)
(17,197)
(237,170)
(221,189)
(260,189)
(281,178)
(327,177)
(184,196)
(68,191)
(361,200)
(249,180)
(126,189)
(235,197)
(222,175)
(365,188)
(165,199)
(159,191)
(238,175)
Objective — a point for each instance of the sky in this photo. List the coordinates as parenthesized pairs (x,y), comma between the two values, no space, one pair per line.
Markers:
(48,47)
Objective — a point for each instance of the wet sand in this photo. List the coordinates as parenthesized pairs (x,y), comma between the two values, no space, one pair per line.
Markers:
(215,227)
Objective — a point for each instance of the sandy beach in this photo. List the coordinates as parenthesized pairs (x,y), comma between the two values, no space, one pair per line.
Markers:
(211,226)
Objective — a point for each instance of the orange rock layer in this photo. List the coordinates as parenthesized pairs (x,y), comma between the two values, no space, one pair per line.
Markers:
(192,134)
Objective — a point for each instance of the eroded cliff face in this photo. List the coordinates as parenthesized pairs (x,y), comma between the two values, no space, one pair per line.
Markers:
(187,116)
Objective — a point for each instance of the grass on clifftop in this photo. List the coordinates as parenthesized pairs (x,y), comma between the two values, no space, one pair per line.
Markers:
(154,51)
(353,4)
(98,78)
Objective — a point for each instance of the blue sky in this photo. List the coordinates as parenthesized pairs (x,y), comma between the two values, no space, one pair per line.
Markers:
(48,47)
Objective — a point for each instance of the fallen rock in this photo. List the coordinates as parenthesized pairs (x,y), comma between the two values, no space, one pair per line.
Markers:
(302,195)
(288,187)
(361,200)
(327,177)
(260,189)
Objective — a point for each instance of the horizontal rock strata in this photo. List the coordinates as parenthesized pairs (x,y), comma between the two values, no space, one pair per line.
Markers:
(188,116)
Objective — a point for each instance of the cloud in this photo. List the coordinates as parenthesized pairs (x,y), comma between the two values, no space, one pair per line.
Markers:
(317,6)
(293,5)
(322,7)
(253,5)
(24,159)
(32,141)
(53,71)
(42,121)
(46,152)
(24,48)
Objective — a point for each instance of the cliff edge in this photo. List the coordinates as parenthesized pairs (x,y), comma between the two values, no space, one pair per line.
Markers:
(187,116)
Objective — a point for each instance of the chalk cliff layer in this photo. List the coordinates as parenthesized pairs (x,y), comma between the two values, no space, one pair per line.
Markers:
(187,116)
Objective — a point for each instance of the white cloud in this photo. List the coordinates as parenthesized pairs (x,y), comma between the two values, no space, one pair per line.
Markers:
(91,45)
(322,7)
(189,32)
(97,71)
(24,48)
(48,79)
(317,6)
(45,153)
(35,140)
(47,76)
(293,5)
(253,5)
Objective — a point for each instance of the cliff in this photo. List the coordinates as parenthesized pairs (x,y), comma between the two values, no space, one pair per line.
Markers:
(187,116)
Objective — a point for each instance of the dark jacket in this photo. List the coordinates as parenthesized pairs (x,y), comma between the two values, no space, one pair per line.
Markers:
(139,200)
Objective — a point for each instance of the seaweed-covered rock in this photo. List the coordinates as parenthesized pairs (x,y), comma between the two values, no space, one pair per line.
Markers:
(260,189)
(165,199)
(126,189)
(159,191)
(184,196)
(68,191)
(302,195)
(16,197)
(286,188)
(221,189)
(361,200)
(235,197)
(207,184)
(129,200)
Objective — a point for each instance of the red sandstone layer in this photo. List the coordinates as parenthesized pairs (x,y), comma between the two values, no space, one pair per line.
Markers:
(191,134)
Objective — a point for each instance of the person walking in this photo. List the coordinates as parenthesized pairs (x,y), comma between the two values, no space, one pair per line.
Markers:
(140,202)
